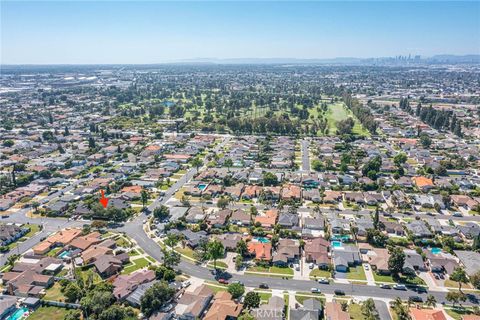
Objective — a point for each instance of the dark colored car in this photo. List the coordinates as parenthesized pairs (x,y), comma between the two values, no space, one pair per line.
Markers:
(415,299)
(339,292)
(263,286)
(421,289)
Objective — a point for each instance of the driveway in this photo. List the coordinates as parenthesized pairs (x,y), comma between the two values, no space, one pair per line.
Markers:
(369,274)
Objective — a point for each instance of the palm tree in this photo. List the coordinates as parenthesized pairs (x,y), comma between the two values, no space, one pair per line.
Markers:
(144,195)
(431,301)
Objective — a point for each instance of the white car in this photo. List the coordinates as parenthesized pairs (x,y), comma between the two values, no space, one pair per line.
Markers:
(311,266)
(186,284)
(315,290)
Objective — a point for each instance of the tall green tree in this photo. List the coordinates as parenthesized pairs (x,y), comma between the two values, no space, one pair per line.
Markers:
(215,251)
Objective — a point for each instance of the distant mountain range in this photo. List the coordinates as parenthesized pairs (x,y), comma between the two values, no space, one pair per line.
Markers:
(437,59)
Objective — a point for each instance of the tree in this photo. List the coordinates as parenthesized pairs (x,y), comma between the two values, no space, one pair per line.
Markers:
(223,202)
(252,300)
(455,297)
(197,163)
(73,315)
(270,179)
(373,165)
(97,299)
(317,165)
(459,275)
(155,297)
(475,280)
(369,310)
(242,248)
(215,250)
(228,163)
(425,140)
(144,196)
(91,143)
(238,262)
(236,290)
(98,224)
(115,312)
(431,301)
(161,212)
(376,238)
(396,260)
(72,292)
(400,159)
(401,310)
(170,258)
(35,206)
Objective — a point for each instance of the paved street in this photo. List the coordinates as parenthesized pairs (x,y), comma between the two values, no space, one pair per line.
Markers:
(305,155)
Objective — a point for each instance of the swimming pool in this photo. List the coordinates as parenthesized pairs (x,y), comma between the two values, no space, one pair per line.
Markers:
(64,254)
(342,238)
(436,250)
(202,186)
(337,244)
(262,240)
(19,314)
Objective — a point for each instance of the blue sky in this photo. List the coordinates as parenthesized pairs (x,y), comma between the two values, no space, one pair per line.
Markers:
(42,32)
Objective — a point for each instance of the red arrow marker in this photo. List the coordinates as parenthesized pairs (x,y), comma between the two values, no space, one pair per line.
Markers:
(103,199)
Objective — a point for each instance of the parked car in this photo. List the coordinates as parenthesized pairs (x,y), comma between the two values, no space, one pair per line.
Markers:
(186,284)
(263,286)
(311,266)
(457,214)
(315,290)
(385,286)
(339,292)
(415,299)
(399,287)
(237,281)
(421,289)
(323,281)
(167,308)
(223,281)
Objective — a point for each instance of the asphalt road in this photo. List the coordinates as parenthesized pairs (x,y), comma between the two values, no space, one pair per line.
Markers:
(305,155)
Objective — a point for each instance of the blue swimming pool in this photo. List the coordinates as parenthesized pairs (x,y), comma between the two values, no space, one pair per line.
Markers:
(202,186)
(436,250)
(262,240)
(19,314)
(64,254)
(337,244)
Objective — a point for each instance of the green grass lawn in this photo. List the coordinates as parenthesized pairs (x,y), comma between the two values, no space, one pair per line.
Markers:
(53,252)
(186,252)
(136,265)
(457,313)
(220,265)
(356,273)
(355,312)
(286,271)
(301,298)
(54,293)
(48,313)
(454,284)
(34,228)
(337,112)
(279,270)
(121,242)
(382,278)
(264,296)
(319,273)
(217,287)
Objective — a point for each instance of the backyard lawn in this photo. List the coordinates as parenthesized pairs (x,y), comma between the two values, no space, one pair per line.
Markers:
(54,293)
(48,313)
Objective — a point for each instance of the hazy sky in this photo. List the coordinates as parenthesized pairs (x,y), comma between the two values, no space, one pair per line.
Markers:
(153,31)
